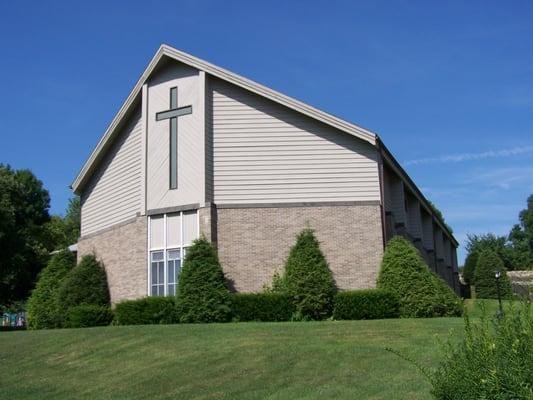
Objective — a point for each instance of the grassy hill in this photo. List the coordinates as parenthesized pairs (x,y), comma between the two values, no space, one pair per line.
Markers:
(313,360)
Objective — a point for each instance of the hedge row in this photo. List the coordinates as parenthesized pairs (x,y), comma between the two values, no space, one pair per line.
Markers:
(146,311)
(349,305)
(86,315)
(366,304)
(262,307)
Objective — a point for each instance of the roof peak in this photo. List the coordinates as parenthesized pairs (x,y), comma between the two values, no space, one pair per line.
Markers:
(221,73)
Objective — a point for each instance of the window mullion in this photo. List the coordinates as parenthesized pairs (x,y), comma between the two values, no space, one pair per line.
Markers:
(181,235)
(165,272)
(149,256)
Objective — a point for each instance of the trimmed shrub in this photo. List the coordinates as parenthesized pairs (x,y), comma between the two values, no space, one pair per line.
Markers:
(44,311)
(366,304)
(147,311)
(86,315)
(488,263)
(492,361)
(470,268)
(202,292)
(262,307)
(307,278)
(421,292)
(86,283)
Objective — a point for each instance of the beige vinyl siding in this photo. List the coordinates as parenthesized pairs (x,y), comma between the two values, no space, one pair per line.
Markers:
(191,144)
(264,152)
(114,193)
(208,142)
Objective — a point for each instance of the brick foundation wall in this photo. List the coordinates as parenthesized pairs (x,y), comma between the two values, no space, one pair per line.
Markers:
(207,218)
(253,243)
(122,249)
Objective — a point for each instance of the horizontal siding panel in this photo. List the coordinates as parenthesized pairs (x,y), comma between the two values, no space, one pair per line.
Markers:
(299,197)
(264,152)
(238,152)
(336,167)
(296,185)
(114,192)
(275,180)
(286,174)
(296,159)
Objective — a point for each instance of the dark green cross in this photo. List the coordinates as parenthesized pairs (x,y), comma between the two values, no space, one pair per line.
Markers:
(172,114)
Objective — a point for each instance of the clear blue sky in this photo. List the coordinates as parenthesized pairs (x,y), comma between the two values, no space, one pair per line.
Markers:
(447,85)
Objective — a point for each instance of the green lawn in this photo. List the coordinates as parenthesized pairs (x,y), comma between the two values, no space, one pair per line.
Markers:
(313,360)
(475,307)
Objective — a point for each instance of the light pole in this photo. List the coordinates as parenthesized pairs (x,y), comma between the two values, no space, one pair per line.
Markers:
(498,275)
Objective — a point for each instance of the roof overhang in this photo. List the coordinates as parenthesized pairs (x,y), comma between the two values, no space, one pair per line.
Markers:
(396,167)
(174,54)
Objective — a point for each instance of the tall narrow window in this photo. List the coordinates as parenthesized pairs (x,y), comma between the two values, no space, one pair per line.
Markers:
(173,270)
(169,237)
(157,271)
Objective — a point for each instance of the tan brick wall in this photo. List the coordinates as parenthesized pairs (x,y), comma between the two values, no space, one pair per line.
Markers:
(123,251)
(206,216)
(253,243)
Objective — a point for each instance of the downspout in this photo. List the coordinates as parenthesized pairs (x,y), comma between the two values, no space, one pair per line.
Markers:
(381,190)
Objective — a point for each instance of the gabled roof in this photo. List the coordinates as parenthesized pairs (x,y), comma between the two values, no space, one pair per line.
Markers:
(172,53)
(169,52)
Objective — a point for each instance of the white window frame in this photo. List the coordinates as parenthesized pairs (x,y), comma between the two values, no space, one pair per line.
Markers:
(182,247)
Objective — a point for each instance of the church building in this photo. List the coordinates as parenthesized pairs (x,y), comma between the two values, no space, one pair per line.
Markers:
(198,150)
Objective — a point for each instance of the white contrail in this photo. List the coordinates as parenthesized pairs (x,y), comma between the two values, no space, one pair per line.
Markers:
(472,156)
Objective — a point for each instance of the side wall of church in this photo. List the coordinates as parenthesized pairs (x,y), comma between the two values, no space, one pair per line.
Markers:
(264,152)
(122,250)
(253,243)
(113,195)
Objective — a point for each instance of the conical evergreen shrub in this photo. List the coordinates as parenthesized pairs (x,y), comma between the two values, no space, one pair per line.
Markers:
(202,292)
(484,278)
(86,283)
(44,311)
(308,279)
(470,268)
(421,292)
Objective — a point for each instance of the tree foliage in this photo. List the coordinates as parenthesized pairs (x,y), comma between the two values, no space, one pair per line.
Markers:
(487,241)
(521,238)
(421,292)
(484,278)
(64,231)
(516,249)
(24,244)
(202,292)
(44,311)
(86,283)
(470,268)
(439,214)
(307,278)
